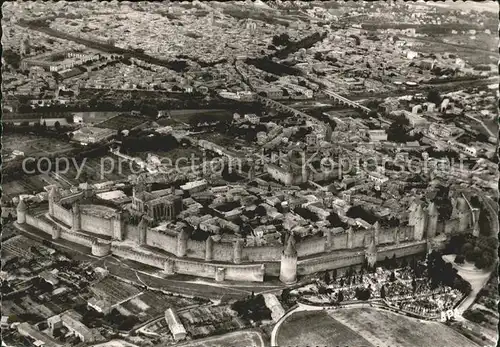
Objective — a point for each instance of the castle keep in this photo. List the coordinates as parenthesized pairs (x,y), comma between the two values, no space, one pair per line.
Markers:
(175,252)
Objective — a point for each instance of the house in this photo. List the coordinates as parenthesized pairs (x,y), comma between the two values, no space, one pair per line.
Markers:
(49,278)
(415,120)
(101,306)
(273,304)
(377,135)
(26,329)
(72,323)
(445,105)
(175,325)
(195,186)
(252,118)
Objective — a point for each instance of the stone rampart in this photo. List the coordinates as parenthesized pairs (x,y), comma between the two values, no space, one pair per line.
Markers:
(261,253)
(196,249)
(162,240)
(328,262)
(39,224)
(78,238)
(60,213)
(313,245)
(97,225)
(70,199)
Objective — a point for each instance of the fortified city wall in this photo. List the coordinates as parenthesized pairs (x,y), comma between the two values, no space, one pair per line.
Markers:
(177,253)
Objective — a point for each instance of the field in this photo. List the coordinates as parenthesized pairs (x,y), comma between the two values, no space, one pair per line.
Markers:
(297,330)
(33,146)
(114,291)
(94,170)
(150,304)
(185,115)
(121,122)
(205,320)
(388,329)
(239,338)
(187,153)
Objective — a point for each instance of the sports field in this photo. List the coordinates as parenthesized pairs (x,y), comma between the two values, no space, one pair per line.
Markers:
(365,327)
(239,338)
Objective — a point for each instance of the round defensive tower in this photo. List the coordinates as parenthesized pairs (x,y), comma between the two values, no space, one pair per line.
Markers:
(21,211)
(100,249)
(77,219)
(209,249)
(143,231)
(53,197)
(182,239)
(432,220)
(288,266)
(371,253)
(238,249)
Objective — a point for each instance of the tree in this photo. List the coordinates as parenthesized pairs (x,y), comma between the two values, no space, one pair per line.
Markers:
(392,277)
(382,292)
(11,58)
(57,125)
(281,40)
(404,263)
(363,293)
(434,96)
(334,274)
(285,295)
(397,132)
(459,259)
(260,211)
(340,297)
(484,225)
(327,277)
(335,220)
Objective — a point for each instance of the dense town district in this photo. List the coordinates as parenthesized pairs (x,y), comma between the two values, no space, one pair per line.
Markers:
(278,173)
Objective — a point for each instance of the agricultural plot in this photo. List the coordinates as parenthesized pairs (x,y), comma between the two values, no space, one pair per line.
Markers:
(383,328)
(123,121)
(205,320)
(297,330)
(115,291)
(34,146)
(240,338)
(149,305)
(93,170)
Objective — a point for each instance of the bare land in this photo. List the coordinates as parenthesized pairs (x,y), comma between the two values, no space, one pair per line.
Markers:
(317,328)
(388,329)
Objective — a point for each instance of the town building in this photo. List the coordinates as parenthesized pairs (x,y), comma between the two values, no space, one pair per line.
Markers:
(175,325)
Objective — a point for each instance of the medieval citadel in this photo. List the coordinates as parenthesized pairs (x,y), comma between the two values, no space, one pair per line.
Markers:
(104,230)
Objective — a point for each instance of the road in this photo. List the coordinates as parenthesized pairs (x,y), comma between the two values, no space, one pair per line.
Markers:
(482,124)
(477,279)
